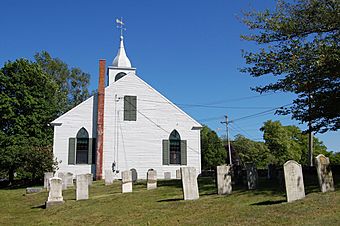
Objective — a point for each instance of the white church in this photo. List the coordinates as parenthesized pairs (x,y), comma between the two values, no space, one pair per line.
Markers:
(127,125)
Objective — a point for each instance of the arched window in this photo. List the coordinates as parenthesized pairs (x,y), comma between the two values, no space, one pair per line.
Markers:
(119,76)
(175,147)
(82,148)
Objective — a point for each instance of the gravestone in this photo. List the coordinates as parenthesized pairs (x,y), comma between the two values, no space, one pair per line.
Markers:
(47,177)
(55,196)
(82,187)
(167,175)
(89,178)
(69,179)
(324,173)
(189,183)
(134,175)
(178,174)
(62,176)
(294,181)
(33,190)
(151,179)
(224,180)
(126,181)
(252,176)
(109,177)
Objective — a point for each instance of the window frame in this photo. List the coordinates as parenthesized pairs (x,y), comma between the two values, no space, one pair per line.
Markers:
(130,108)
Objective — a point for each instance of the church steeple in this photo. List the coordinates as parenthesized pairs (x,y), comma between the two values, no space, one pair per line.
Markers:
(121,60)
(121,64)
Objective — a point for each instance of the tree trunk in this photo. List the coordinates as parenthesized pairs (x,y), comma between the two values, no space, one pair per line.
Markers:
(11,175)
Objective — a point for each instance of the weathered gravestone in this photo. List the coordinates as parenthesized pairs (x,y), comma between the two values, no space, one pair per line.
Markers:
(223,180)
(167,175)
(47,177)
(69,179)
(295,188)
(62,176)
(134,175)
(324,173)
(151,179)
(82,187)
(252,176)
(126,181)
(178,174)
(33,190)
(109,177)
(89,178)
(189,183)
(55,196)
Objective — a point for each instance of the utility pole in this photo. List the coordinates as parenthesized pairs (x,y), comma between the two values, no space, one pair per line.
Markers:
(228,140)
(310,132)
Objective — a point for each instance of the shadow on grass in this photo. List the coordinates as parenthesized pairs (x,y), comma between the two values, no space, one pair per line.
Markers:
(268,202)
(43,206)
(170,200)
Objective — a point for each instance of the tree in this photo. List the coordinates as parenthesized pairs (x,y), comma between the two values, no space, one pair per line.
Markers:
(213,151)
(301,49)
(252,151)
(72,82)
(289,142)
(28,102)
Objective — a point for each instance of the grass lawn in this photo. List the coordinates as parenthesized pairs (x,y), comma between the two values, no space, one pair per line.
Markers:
(164,206)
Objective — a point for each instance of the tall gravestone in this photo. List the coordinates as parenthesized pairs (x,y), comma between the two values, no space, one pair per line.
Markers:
(62,176)
(47,177)
(69,179)
(324,173)
(151,179)
(134,175)
(109,177)
(82,187)
(224,180)
(126,181)
(55,196)
(295,188)
(252,176)
(189,183)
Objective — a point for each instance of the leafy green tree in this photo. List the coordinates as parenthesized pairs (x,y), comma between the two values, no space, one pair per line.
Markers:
(213,151)
(289,142)
(28,102)
(281,141)
(72,82)
(300,47)
(252,151)
(334,157)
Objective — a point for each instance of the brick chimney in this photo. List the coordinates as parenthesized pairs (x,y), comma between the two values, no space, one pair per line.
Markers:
(100,120)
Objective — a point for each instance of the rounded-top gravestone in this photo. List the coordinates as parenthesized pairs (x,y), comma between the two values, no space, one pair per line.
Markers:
(134,175)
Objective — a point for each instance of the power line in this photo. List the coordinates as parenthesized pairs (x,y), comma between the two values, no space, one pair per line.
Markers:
(261,113)
(241,98)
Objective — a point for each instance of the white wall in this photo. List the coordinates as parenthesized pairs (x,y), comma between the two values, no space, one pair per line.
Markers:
(71,122)
(139,143)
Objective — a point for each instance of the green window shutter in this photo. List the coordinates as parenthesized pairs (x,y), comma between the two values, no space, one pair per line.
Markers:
(71,151)
(183,152)
(165,147)
(94,151)
(130,108)
(89,158)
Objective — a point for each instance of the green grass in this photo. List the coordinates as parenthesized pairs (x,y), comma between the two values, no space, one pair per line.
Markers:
(164,206)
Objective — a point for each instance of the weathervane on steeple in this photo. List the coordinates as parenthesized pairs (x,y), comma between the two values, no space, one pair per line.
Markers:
(120,25)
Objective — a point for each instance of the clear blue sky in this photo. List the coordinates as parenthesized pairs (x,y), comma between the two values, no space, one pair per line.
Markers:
(190,51)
